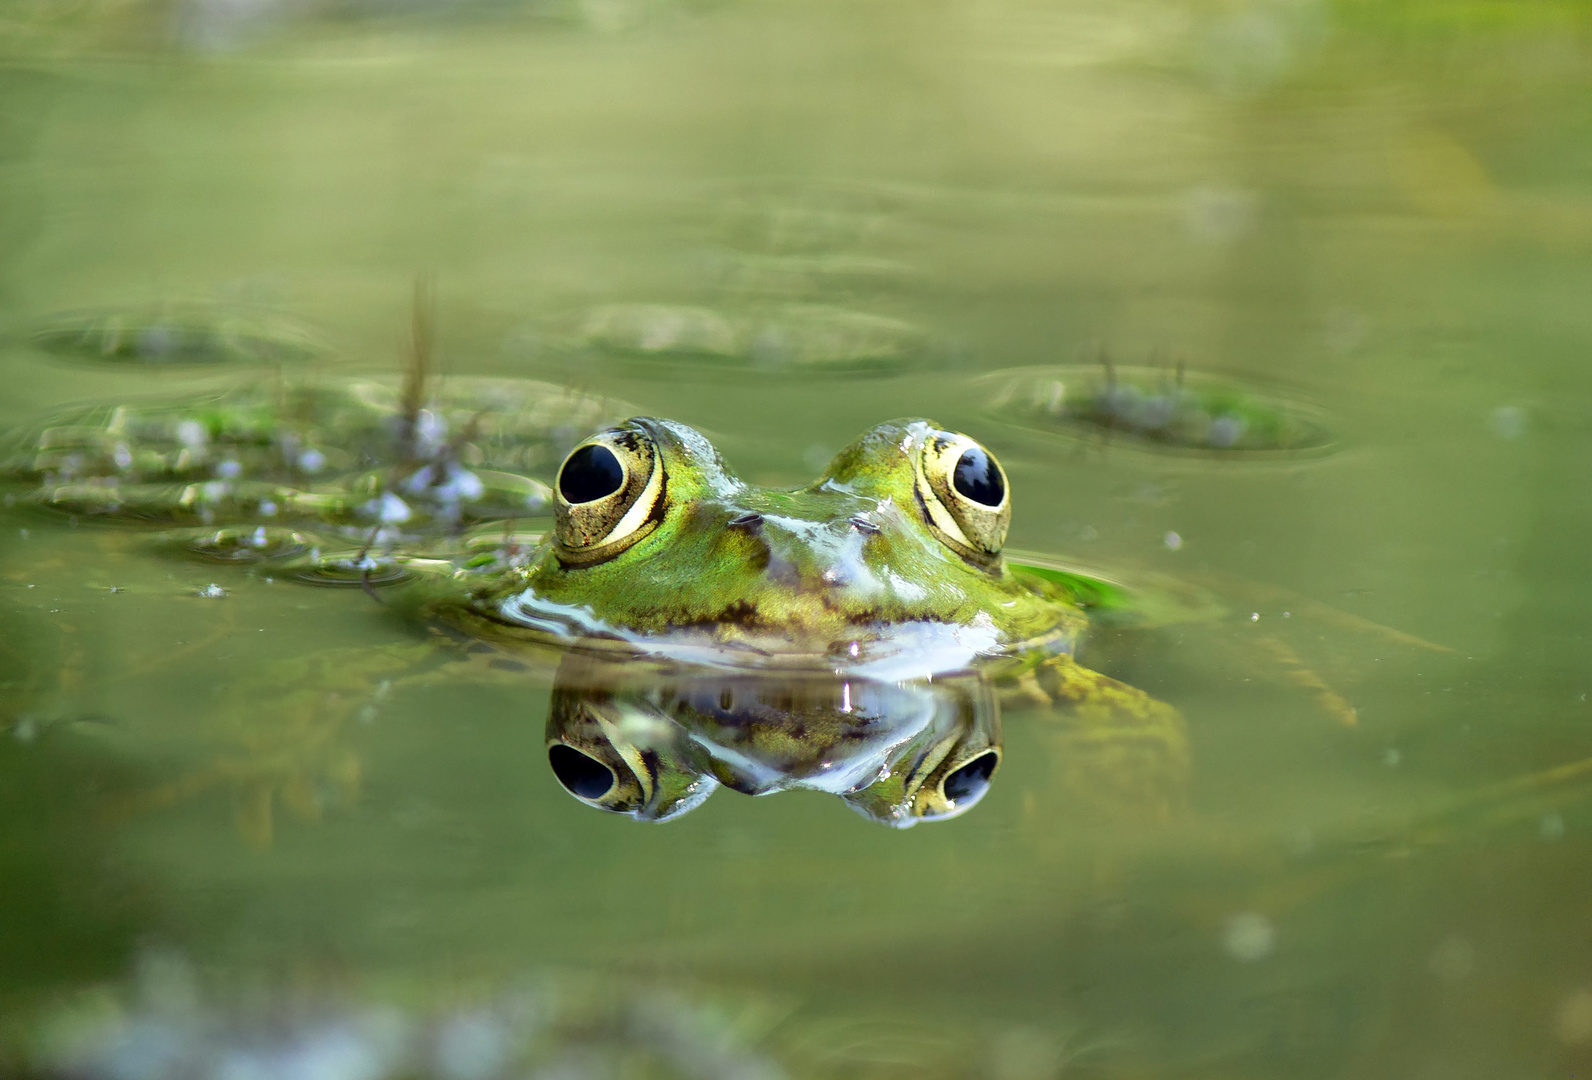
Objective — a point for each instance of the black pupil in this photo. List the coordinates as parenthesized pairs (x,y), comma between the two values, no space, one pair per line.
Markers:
(585,777)
(977,477)
(971,778)
(590,473)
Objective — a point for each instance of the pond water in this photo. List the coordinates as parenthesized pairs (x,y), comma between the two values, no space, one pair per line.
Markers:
(228,850)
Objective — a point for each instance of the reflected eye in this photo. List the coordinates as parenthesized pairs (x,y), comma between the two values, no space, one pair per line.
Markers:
(609,494)
(958,782)
(966,784)
(964,496)
(583,777)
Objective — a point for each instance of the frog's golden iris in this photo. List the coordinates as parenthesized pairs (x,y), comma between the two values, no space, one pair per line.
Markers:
(963,496)
(610,493)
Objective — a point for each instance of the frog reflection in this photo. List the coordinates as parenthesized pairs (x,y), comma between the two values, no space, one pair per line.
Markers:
(626,737)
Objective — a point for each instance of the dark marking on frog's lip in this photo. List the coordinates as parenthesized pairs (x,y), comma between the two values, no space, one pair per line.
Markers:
(862,524)
(750,521)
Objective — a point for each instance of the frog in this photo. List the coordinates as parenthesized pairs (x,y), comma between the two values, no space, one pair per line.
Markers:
(886,571)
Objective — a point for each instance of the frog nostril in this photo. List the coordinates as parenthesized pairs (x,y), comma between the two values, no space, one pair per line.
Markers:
(969,781)
(749,520)
(582,776)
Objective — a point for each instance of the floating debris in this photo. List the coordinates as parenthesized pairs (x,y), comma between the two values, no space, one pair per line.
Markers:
(794,337)
(1158,407)
(286,454)
(183,334)
(357,568)
(261,543)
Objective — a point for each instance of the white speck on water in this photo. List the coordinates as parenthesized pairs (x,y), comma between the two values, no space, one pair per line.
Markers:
(473,1046)
(267,508)
(1249,936)
(212,591)
(33,586)
(1392,758)
(391,510)
(1287,614)
(1508,421)
(1026,1053)
(311,461)
(22,533)
(1226,430)
(191,433)
(229,469)
(1345,329)
(1572,1020)
(1551,827)
(1172,541)
(1219,214)
(1453,959)
(1254,616)
(25,730)
(122,456)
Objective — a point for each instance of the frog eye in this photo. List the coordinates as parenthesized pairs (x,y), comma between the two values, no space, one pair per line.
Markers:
(965,785)
(618,758)
(963,492)
(597,776)
(582,775)
(608,495)
(957,783)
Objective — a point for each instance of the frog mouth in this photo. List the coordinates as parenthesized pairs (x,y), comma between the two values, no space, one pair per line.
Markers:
(913,649)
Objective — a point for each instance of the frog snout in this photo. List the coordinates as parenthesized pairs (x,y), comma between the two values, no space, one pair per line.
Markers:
(801,554)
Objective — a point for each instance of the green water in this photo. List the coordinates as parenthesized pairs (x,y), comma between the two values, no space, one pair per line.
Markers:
(1381,211)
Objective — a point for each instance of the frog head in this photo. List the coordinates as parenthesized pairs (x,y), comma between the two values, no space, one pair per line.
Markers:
(893,553)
